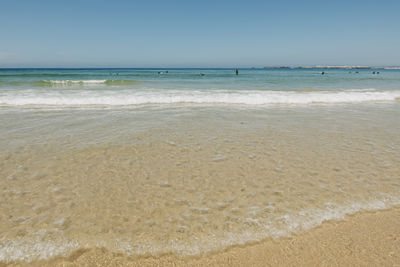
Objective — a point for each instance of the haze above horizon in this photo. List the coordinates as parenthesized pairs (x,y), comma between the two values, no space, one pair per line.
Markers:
(198,34)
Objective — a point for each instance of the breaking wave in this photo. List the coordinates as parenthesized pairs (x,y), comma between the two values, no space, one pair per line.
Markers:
(164,96)
(83,82)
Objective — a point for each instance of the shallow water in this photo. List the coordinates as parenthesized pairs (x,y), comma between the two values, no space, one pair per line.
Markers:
(188,179)
(146,163)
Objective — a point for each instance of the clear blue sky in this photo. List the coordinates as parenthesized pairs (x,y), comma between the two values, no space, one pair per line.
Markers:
(84,33)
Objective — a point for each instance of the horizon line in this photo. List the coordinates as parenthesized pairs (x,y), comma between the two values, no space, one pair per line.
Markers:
(263,67)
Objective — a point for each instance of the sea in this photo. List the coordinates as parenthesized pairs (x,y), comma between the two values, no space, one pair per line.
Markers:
(130,87)
(148,162)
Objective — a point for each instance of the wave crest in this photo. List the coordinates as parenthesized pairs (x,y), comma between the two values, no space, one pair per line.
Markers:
(140,97)
(83,82)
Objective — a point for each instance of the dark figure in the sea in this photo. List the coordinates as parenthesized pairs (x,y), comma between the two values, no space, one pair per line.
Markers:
(377,72)
(322,73)
(166,72)
(356,71)
(201,74)
(237,71)
(373,72)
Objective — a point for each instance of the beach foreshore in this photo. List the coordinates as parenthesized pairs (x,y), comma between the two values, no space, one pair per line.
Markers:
(212,186)
(363,239)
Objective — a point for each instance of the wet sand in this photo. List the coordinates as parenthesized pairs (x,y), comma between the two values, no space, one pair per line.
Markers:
(261,185)
(364,239)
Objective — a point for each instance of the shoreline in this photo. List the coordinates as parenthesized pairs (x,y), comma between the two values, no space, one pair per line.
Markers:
(152,182)
(364,238)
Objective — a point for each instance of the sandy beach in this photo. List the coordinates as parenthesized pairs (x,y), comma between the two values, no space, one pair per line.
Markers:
(365,239)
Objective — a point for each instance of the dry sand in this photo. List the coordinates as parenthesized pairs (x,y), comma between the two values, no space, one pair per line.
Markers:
(364,239)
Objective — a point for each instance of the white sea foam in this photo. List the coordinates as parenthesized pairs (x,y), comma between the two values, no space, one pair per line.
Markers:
(289,224)
(140,97)
(40,249)
(64,82)
(35,249)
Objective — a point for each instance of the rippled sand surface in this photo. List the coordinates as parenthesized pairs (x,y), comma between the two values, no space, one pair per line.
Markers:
(188,180)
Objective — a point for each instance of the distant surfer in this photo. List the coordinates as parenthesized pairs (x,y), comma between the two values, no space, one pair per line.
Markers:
(237,71)
(166,72)
(202,74)
(322,73)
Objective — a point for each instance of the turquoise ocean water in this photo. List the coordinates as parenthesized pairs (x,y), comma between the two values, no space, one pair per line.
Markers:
(125,87)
